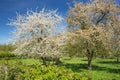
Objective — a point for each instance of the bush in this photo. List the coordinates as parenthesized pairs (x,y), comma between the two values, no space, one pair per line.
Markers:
(20,71)
(1,73)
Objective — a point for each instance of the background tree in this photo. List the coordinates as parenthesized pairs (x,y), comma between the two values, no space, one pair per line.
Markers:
(90,16)
(33,29)
(90,42)
(116,40)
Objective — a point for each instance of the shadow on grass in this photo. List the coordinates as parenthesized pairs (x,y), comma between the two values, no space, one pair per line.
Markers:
(82,67)
(109,62)
(84,60)
(76,67)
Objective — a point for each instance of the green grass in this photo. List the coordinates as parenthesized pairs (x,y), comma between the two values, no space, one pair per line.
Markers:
(103,69)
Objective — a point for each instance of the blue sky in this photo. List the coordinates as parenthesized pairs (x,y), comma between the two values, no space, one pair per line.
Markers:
(9,8)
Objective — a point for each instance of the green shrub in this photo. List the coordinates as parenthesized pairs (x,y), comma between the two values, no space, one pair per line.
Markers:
(1,73)
(39,72)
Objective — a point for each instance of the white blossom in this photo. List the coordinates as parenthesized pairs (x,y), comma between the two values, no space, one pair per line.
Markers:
(34,31)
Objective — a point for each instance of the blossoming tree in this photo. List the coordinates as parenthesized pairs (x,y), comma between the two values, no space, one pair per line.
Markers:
(34,31)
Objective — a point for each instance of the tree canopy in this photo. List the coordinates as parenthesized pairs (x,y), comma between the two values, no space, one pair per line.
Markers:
(33,31)
(94,26)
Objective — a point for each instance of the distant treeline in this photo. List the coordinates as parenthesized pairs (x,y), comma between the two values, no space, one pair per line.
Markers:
(6,47)
(5,51)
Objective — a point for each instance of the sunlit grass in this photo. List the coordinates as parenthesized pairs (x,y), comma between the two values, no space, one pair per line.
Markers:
(103,69)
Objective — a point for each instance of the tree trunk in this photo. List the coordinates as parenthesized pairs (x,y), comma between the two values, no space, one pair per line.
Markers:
(57,61)
(117,59)
(44,61)
(89,64)
(90,56)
